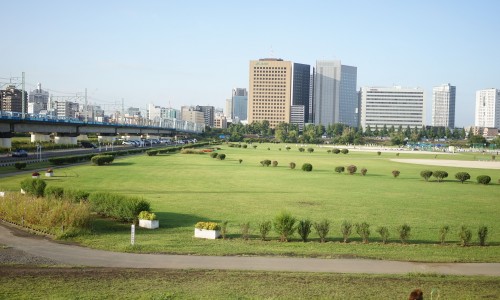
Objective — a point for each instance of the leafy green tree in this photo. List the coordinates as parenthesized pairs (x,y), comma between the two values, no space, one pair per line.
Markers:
(462,176)
(322,228)
(426,174)
(440,175)
(264,229)
(384,233)
(363,230)
(346,229)
(404,232)
(304,229)
(284,225)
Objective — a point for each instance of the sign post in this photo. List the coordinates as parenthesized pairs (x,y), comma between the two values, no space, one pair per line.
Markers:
(132,235)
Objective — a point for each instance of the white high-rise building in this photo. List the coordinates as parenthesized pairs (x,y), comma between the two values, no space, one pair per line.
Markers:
(488,108)
(335,96)
(392,106)
(443,105)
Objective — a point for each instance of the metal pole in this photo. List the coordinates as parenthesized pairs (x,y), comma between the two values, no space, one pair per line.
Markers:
(86,107)
(22,100)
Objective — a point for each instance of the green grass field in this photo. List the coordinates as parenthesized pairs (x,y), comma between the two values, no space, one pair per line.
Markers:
(95,283)
(184,189)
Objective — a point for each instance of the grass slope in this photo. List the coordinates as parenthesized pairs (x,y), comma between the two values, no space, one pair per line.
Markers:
(185,189)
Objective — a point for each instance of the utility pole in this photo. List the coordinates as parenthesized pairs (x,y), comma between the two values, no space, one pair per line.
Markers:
(22,100)
(86,108)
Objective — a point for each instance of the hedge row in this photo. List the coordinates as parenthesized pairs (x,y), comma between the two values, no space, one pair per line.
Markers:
(102,159)
(117,206)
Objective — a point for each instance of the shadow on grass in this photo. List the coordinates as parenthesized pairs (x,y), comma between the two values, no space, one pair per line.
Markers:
(121,163)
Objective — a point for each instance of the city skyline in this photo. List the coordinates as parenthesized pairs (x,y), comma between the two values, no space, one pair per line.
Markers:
(186,54)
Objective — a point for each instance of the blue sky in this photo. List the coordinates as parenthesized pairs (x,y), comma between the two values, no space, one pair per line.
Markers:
(194,52)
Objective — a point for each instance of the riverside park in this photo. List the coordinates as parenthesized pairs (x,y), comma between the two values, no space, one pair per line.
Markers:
(184,189)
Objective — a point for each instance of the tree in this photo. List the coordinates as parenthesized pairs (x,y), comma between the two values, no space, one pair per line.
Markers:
(404,232)
(462,176)
(284,225)
(307,167)
(322,228)
(304,229)
(339,169)
(363,230)
(352,169)
(426,174)
(346,229)
(310,150)
(395,173)
(440,175)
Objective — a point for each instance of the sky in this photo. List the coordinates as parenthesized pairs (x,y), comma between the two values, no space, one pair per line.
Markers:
(174,53)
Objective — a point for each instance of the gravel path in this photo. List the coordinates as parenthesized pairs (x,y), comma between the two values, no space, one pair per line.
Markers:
(36,247)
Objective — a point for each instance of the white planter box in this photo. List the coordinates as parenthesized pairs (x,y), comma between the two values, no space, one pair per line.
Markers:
(150,224)
(23,192)
(49,174)
(2,194)
(35,177)
(206,234)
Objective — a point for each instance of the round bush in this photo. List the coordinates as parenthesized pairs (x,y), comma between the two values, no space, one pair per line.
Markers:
(483,179)
(307,167)
(344,151)
(214,154)
(462,176)
(221,156)
(336,150)
(352,169)
(339,169)
(275,163)
(292,165)
(363,171)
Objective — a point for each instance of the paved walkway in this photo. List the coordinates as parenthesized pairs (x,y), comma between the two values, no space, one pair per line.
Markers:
(76,255)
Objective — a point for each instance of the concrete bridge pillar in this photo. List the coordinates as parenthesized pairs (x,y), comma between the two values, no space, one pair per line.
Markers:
(40,137)
(5,142)
(65,139)
(106,138)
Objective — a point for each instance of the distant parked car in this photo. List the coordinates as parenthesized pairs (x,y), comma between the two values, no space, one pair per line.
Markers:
(87,144)
(132,143)
(20,153)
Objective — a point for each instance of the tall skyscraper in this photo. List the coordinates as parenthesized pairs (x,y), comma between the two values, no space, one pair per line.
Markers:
(335,96)
(310,118)
(392,106)
(240,103)
(443,105)
(10,100)
(300,88)
(37,100)
(488,108)
(269,95)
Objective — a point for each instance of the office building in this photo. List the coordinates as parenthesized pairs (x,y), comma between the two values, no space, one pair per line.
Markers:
(297,116)
(488,108)
(229,108)
(10,100)
(239,104)
(300,88)
(392,106)
(335,96)
(220,121)
(310,118)
(208,114)
(269,96)
(66,109)
(192,114)
(37,100)
(443,106)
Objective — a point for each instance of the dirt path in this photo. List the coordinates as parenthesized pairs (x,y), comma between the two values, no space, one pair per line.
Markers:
(452,163)
(76,255)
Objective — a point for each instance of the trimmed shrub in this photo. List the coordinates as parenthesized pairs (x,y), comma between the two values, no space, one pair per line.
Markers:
(152,152)
(363,230)
(244,146)
(440,175)
(265,162)
(363,171)
(34,187)
(397,154)
(346,230)
(150,216)
(482,234)
(264,229)
(292,165)
(379,153)
(203,225)
(322,228)
(214,154)
(288,148)
(301,149)
(465,236)
(462,176)
(307,167)
(76,195)
(221,156)
(404,233)
(351,169)
(102,159)
(335,150)
(395,173)
(443,231)
(426,174)
(329,151)
(384,233)
(188,151)
(275,163)
(310,150)
(304,229)
(54,192)
(483,179)
(254,146)
(240,160)
(344,151)
(117,206)
(284,225)
(245,231)
(339,169)
(268,148)
(20,165)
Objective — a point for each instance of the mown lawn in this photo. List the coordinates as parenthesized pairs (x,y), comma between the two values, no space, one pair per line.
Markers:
(185,189)
(96,283)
